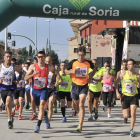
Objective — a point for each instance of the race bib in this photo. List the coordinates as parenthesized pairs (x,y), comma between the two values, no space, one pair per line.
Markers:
(65,84)
(94,82)
(106,88)
(81,71)
(130,88)
(7,80)
(39,82)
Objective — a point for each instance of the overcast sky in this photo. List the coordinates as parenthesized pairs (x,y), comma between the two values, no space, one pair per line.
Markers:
(60,30)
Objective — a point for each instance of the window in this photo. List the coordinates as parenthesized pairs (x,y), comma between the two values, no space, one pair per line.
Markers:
(75,50)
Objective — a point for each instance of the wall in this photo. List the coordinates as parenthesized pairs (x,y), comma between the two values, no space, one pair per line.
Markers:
(100,26)
(100,47)
(72,44)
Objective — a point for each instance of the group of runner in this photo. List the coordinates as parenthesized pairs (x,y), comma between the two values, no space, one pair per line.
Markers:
(41,84)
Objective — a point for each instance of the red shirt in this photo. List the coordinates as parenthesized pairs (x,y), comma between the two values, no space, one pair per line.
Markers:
(40,80)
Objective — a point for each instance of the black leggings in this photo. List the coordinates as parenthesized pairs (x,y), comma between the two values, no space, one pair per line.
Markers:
(109,96)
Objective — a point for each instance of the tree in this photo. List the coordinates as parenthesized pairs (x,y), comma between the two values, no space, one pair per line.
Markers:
(43,49)
(54,57)
(23,53)
(30,50)
(66,61)
(2,42)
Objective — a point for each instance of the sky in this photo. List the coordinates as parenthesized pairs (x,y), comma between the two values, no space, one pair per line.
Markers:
(60,30)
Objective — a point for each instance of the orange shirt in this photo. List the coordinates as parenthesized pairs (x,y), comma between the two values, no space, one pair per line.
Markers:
(81,77)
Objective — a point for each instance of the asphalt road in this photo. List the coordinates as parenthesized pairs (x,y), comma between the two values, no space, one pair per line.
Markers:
(102,129)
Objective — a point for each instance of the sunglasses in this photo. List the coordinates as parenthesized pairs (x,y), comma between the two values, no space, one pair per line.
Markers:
(42,57)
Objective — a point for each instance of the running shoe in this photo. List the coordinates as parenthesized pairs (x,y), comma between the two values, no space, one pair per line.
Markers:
(109,116)
(10,124)
(33,117)
(55,110)
(27,107)
(96,115)
(48,126)
(30,108)
(17,108)
(46,117)
(74,114)
(20,117)
(63,119)
(132,133)
(105,108)
(37,129)
(58,105)
(90,118)
(124,121)
(79,129)
(13,113)
(93,111)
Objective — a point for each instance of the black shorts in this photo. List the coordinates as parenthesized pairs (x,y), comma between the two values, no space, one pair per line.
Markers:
(51,92)
(96,94)
(130,100)
(62,95)
(77,90)
(20,93)
(5,93)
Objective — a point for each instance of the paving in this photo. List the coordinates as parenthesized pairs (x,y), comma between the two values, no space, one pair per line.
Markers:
(102,129)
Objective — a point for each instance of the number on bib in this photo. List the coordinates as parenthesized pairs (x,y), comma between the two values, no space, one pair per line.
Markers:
(7,80)
(81,71)
(106,88)
(65,84)
(40,82)
(130,88)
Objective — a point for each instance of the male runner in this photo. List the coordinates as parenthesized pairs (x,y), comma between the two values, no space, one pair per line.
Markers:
(94,92)
(79,69)
(39,72)
(130,80)
(8,84)
(124,68)
(64,90)
(20,92)
(51,90)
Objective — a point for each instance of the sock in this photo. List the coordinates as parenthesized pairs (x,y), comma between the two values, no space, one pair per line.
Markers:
(9,120)
(39,123)
(63,111)
(19,114)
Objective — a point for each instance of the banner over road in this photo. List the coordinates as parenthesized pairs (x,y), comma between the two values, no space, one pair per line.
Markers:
(69,9)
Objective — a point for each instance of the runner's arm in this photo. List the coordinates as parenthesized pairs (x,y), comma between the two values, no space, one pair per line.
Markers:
(30,73)
(118,80)
(99,79)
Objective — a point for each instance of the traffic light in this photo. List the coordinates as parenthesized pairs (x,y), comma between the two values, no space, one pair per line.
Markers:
(9,36)
(13,43)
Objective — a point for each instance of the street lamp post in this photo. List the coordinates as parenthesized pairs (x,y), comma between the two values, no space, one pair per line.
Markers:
(14,34)
(49,33)
(36,36)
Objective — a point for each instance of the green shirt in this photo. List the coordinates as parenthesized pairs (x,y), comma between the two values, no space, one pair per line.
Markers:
(95,86)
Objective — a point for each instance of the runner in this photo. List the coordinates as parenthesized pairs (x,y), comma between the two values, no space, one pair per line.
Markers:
(52,92)
(107,90)
(27,88)
(33,107)
(130,80)
(64,90)
(103,70)
(94,92)
(39,72)
(8,84)
(20,92)
(79,70)
(124,68)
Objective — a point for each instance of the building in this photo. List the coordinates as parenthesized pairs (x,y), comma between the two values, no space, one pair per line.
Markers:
(15,53)
(73,41)
(2,50)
